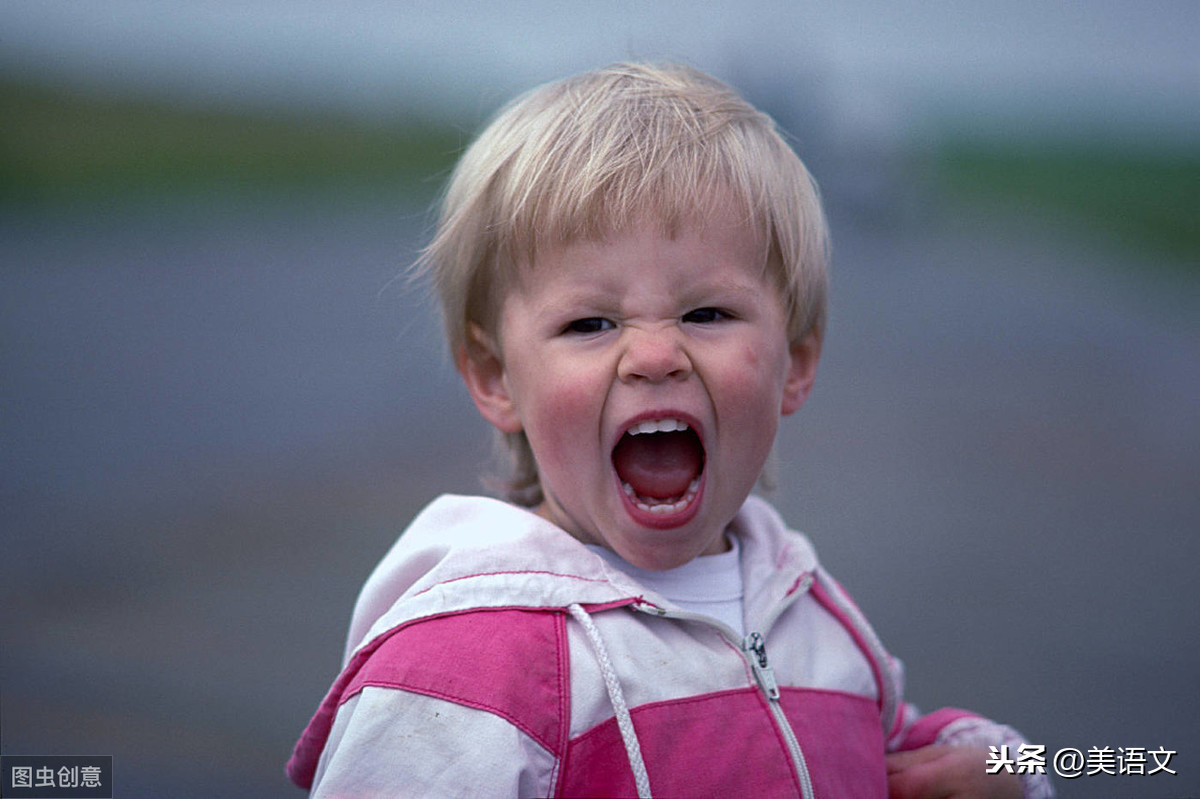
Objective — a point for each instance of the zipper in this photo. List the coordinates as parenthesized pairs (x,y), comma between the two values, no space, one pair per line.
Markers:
(754,648)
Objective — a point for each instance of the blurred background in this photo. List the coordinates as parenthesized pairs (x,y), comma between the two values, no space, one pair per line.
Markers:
(222,400)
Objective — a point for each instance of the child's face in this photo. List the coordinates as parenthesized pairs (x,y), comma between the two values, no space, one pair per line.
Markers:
(597,338)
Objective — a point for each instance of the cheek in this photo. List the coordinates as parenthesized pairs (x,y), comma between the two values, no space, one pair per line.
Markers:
(569,394)
(562,416)
(751,359)
(749,398)
(755,377)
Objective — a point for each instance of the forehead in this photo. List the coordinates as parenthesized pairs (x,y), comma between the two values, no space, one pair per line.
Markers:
(701,257)
(718,223)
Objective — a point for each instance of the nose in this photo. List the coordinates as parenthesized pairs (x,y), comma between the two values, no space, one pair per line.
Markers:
(653,355)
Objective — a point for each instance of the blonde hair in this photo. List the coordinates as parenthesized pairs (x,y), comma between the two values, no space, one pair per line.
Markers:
(590,155)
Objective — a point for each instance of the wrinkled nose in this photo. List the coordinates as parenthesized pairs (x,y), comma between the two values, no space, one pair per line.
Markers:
(653,355)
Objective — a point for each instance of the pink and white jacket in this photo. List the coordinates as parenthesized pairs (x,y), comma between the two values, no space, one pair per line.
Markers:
(492,654)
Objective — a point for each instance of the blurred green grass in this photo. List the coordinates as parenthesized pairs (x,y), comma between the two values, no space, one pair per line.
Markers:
(1144,197)
(59,147)
(62,147)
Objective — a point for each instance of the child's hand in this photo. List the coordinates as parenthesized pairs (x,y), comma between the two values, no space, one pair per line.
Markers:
(947,772)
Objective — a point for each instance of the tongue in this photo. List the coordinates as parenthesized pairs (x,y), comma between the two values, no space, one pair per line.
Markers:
(658,465)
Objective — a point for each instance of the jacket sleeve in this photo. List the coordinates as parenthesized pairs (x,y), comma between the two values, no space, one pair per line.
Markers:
(954,727)
(388,742)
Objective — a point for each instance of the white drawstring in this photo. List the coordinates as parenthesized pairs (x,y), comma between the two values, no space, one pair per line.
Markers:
(624,721)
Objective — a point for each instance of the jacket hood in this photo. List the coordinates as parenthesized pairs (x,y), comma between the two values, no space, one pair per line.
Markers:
(463,553)
(458,544)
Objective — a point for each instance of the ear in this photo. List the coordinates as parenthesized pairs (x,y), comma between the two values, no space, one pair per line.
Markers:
(482,369)
(802,372)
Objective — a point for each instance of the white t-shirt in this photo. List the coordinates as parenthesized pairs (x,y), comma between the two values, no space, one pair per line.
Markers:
(709,584)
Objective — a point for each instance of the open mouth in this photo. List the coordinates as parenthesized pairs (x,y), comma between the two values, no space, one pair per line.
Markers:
(659,463)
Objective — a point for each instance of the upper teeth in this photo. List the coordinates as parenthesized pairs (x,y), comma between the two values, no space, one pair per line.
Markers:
(657,426)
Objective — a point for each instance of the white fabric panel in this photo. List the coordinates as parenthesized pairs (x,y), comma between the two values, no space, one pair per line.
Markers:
(393,727)
(655,660)
(818,652)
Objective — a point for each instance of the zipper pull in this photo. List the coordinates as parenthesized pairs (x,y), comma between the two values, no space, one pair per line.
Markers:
(756,647)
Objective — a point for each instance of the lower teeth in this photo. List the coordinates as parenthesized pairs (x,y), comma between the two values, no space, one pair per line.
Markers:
(663,508)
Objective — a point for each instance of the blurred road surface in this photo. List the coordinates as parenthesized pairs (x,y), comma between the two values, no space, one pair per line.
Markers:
(217,418)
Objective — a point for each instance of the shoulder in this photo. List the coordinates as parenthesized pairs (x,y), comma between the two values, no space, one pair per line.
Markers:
(508,665)
(509,662)
(461,553)
(485,690)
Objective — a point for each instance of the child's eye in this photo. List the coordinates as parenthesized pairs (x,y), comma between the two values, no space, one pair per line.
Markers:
(703,316)
(592,324)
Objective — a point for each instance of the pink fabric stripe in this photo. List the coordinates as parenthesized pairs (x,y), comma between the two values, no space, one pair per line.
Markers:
(727,744)
(721,744)
(926,730)
(842,741)
(563,649)
(617,603)
(477,658)
(510,662)
(796,584)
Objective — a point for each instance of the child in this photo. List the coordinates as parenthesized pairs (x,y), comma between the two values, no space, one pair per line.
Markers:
(631,264)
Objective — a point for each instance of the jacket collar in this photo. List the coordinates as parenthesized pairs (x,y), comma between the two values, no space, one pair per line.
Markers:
(464,553)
